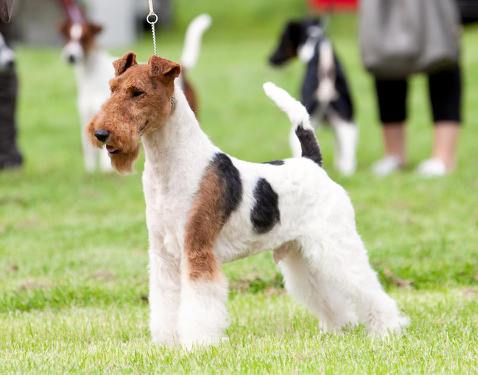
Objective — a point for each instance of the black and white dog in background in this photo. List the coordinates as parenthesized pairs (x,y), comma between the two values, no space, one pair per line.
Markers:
(325,91)
(7,56)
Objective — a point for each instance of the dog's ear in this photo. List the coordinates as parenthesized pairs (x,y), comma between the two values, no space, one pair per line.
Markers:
(125,62)
(163,69)
(95,28)
(64,29)
(294,31)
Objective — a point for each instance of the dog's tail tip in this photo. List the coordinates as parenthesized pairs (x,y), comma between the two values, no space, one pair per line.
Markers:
(204,20)
(271,90)
(294,109)
(300,119)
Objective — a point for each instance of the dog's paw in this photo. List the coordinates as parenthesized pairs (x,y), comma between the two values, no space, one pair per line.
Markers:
(205,342)
(164,338)
(393,327)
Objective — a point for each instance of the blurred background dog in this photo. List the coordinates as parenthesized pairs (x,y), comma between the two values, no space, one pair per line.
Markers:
(325,91)
(94,69)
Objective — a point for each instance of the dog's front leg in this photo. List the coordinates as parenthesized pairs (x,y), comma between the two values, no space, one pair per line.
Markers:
(202,314)
(164,295)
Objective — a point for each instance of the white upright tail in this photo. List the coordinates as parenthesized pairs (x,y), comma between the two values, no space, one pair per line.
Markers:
(300,119)
(192,41)
(294,109)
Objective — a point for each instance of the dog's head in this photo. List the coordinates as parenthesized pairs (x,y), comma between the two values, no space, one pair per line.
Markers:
(293,37)
(7,56)
(141,102)
(80,39)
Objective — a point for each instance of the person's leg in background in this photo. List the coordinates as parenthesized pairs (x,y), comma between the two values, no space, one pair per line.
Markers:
(10,156)
(445,90)
(391,99)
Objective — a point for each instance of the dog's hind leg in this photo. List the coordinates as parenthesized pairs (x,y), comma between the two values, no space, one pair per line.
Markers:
(303,282)
(349,273)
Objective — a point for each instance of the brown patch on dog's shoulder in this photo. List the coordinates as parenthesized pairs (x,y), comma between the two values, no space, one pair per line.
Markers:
(219,194)
(204,224)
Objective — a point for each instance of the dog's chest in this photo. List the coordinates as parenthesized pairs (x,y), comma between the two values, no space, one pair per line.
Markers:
(165,213)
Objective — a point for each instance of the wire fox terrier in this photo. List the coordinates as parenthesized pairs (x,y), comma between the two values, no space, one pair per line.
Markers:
(93,68)
(204,208)
(325,90)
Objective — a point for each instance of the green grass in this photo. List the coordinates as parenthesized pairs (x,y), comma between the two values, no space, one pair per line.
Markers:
(73,247)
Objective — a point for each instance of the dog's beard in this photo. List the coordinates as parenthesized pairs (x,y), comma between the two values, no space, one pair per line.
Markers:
(123,161)
(125,141)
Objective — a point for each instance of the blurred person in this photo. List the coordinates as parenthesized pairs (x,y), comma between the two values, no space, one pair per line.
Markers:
(444,85)
(445,95)
(10,156)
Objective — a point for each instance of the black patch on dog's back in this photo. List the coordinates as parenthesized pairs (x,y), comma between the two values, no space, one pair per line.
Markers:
(265,213)
(231,179)
(275,162)
(308,142)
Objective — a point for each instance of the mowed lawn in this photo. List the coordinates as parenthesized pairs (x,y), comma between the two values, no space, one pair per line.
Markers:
(73,246)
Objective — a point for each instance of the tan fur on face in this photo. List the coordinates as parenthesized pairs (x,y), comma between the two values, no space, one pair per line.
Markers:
(205,222)
(140,103)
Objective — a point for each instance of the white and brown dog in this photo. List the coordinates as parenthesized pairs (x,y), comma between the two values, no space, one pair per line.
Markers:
(94,69)
(205,207)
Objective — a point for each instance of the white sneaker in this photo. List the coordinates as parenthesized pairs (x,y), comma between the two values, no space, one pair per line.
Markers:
(386,166)
(432,168)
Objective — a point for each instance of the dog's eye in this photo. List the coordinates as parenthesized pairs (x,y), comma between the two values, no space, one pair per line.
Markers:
(136,93)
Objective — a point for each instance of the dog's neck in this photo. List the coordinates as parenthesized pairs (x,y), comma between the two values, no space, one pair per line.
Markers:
(95,65)
(176,154)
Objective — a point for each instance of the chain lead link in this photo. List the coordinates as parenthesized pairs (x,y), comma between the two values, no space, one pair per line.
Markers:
(152,19)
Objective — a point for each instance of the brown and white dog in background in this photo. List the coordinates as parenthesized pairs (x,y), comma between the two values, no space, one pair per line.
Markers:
(94,69)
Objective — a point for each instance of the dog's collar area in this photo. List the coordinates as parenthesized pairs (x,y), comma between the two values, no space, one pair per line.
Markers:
(143,128)
(172,99)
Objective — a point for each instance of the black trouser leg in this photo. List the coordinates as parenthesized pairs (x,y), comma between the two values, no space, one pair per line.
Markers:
(10,157)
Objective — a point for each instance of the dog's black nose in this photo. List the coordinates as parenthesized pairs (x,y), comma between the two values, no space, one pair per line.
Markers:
(102,135)
(71,59)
